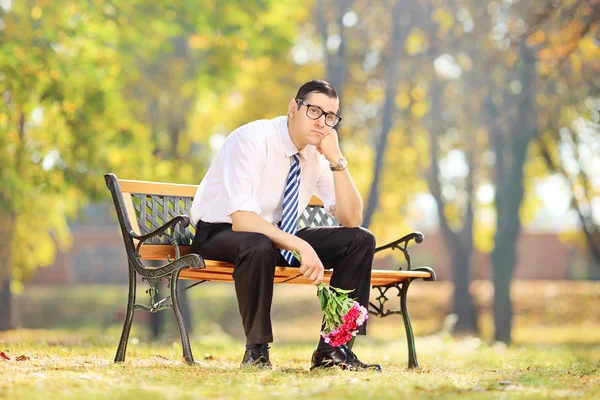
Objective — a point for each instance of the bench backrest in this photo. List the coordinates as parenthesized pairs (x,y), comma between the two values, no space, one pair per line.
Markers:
(147,206)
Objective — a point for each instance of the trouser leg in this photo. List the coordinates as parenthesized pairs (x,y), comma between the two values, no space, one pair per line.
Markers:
(349,251)
(255,257)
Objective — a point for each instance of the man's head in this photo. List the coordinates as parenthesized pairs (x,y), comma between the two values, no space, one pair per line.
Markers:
(313,113)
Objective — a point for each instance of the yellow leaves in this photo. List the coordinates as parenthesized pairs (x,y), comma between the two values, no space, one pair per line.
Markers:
(529,207)
(511,58)
(199,42)
(536,38)
(409,155)
(484,229)
(115,158)
(403,100)
(453,214)
(445,21)
(464,61)
(589,50)
(36,13)
(547,54)
(69,107)
(416,42)
(19,52)
(419,109)
(535,165)
(241,44)
(576,64)
(418,93)
(481,137)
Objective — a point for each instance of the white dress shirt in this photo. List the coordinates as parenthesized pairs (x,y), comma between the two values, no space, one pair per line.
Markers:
(251,170)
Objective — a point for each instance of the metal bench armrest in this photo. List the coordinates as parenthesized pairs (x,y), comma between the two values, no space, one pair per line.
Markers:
(184,220)
(401,244)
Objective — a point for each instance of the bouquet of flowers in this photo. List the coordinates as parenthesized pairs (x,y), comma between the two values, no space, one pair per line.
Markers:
(342,315)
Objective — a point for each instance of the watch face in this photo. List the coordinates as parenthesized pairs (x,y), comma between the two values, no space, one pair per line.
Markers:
(341,164)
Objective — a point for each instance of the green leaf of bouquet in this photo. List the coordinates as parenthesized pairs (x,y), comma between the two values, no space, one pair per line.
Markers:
(322,299)
(340,291)
(295,254)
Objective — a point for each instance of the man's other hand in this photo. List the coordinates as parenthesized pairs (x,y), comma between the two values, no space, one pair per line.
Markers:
(311,267)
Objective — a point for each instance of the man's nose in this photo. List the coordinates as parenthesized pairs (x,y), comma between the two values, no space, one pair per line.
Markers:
(321,120)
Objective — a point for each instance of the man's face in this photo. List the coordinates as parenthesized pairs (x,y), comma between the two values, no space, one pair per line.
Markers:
(307,131)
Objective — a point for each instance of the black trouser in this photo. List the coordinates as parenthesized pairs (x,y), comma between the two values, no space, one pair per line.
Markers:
(349,251)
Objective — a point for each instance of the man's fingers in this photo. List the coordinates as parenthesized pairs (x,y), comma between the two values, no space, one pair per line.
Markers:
(319,278)
(306,271)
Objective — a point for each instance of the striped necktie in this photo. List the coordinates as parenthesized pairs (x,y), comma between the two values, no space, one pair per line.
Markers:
(289,217)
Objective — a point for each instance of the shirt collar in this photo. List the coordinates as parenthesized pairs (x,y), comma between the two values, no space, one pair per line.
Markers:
(288,145)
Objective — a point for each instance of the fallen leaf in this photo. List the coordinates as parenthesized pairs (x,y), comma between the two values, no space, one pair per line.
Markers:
(22,358)
(4,356)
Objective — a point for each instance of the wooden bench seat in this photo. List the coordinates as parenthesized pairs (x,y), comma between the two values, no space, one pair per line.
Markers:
(155,226)
(221,271)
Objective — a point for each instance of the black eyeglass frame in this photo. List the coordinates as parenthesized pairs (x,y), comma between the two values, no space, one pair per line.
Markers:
(308,106)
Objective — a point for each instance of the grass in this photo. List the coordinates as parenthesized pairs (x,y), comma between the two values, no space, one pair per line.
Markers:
(556,352)
(450,368)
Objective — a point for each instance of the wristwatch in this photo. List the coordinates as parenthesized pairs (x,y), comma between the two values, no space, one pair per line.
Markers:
(341,164)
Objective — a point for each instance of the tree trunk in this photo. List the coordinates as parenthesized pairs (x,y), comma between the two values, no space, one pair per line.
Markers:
(336,64)
(462,301)
(392,77)
(459,244)
(6,309)
(502,307)
(6,240)
(509,176)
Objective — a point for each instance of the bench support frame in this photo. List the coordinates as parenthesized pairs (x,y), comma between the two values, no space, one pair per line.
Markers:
(171,271)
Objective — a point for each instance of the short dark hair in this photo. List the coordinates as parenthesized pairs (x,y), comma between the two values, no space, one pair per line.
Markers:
(316,86)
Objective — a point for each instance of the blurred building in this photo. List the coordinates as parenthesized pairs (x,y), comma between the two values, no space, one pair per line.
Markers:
(98,255)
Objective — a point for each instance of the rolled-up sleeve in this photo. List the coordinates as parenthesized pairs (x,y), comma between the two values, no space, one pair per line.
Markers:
(325,190)
(242,174)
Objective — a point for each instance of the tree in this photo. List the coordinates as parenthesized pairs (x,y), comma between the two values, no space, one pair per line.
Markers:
(564,141)
(63,124)
(205,55)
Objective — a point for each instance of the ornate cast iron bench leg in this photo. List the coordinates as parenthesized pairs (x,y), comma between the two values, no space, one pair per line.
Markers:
(185,340)
(410,337)
(380,311)
(120,357)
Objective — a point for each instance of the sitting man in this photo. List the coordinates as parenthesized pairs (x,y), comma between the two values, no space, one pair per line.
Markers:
(246,213)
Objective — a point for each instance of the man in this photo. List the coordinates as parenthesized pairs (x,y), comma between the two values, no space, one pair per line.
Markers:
(246,212)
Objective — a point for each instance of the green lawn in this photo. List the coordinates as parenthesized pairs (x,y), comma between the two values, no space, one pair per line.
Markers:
(556,352)
(80,366)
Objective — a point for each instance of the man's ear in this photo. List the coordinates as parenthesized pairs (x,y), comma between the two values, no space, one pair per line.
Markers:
(292,108)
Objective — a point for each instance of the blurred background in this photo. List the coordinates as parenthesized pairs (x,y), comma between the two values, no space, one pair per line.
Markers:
(476,122)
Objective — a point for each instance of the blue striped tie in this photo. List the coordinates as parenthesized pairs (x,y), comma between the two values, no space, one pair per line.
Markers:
(289,217)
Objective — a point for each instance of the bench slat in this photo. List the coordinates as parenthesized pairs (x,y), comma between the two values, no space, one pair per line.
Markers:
(221,271)
(173,189)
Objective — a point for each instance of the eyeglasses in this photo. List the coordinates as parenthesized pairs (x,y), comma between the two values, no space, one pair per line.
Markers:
(314,112)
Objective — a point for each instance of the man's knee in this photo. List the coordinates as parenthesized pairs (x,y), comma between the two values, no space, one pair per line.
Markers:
(363,237)
(260,245)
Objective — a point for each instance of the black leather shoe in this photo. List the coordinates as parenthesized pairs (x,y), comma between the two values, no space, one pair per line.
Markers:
(257,355)
(341,357)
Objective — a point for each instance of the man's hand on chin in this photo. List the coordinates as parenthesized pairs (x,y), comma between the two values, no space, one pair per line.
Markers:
(330,147)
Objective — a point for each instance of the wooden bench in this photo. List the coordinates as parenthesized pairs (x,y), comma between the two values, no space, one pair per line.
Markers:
(155,226)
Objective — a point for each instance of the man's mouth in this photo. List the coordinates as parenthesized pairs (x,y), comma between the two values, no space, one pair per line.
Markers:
(319,132)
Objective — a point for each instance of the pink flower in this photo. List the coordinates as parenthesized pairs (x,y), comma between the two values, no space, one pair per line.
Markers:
(354,318)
